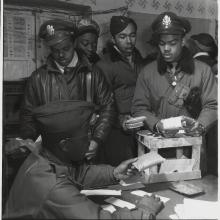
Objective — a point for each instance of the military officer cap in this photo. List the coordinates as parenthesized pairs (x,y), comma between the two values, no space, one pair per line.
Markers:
(170,23)
(205,42)
(87,26)
(64,121)
(119,23)
(55,31)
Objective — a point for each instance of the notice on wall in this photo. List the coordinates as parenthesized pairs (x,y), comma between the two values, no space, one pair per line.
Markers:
(19,36)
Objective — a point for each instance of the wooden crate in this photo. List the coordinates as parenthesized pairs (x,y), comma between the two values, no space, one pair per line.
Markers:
(153,143)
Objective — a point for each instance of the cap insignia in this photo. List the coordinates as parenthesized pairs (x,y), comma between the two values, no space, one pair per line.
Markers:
(84,22)
(166,21)
(50,30)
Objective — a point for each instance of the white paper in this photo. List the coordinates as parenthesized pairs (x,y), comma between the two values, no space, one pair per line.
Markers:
(147,160)
(163,199)
(173,216)
(197,209)
(172,123)
(140,193)
(109,208)
(101,192)
(143,193)
(123,183)
(120,203)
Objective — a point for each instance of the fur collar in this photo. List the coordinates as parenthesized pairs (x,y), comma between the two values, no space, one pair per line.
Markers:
(186,63)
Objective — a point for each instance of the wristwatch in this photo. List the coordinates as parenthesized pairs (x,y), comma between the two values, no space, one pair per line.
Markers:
(201,128)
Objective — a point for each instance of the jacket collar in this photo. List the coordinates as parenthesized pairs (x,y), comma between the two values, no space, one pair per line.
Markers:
(81,63)
(200,54)
(115,55)
(73,63)
(185,63)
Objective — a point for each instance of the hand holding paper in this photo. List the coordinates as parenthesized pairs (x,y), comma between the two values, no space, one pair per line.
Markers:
(147,160)
(125,169)
(135,122)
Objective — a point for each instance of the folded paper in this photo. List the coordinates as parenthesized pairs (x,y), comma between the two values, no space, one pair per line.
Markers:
(147,160)
(101,192)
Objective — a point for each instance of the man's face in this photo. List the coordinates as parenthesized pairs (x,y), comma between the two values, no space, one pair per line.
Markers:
(87,43)
(170,47)
(77,148)
(126,39)
(63,52)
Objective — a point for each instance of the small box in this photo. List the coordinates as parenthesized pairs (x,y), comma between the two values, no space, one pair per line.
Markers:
(148,141)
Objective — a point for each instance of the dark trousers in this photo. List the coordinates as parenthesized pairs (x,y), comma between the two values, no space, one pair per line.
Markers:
(212,150)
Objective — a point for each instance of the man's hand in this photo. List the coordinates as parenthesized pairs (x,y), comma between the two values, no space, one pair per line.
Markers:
(151,203)
(91,153)
(133,124)
(192,126)
(125,169)
(159,127)
(122,120)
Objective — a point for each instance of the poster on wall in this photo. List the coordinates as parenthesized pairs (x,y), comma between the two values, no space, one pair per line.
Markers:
(18,37)
(19,45)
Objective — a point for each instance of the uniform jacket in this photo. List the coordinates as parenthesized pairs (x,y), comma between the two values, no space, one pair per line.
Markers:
(209,61)
(153,91)
(45,188)
(121,76)
(47,84)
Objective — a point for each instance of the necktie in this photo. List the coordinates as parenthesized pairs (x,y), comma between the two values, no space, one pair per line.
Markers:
(68,70)
(68,73)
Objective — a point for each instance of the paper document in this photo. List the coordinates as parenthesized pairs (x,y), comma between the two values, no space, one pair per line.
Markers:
(101,192)
(123,183)
(109,208)
(197,209)
(120,203)
(147,160)
(143,193)
(173,216)
(140,193)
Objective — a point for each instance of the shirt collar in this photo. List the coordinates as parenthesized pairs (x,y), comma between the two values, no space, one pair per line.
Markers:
(71,64)
(201,54)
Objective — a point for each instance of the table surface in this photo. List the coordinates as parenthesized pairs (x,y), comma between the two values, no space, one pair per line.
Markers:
(209,183)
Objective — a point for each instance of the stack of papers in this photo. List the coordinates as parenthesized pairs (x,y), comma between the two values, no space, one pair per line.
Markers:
(143,193)
(101,192)
(116,202)
(120,203)
(196,209)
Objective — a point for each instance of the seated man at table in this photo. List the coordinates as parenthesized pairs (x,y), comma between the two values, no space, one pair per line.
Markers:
(176,84)
(48,183)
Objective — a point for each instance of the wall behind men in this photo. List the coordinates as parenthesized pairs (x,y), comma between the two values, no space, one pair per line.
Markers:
(201,13)
(144,29)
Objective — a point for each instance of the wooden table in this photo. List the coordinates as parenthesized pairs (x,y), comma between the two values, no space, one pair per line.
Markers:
(208,183)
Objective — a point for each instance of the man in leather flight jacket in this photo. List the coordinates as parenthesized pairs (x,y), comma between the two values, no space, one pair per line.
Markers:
(63,77)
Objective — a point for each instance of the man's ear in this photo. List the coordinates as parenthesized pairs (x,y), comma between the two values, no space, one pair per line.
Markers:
(113,40)
(183,42)
(63,146)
